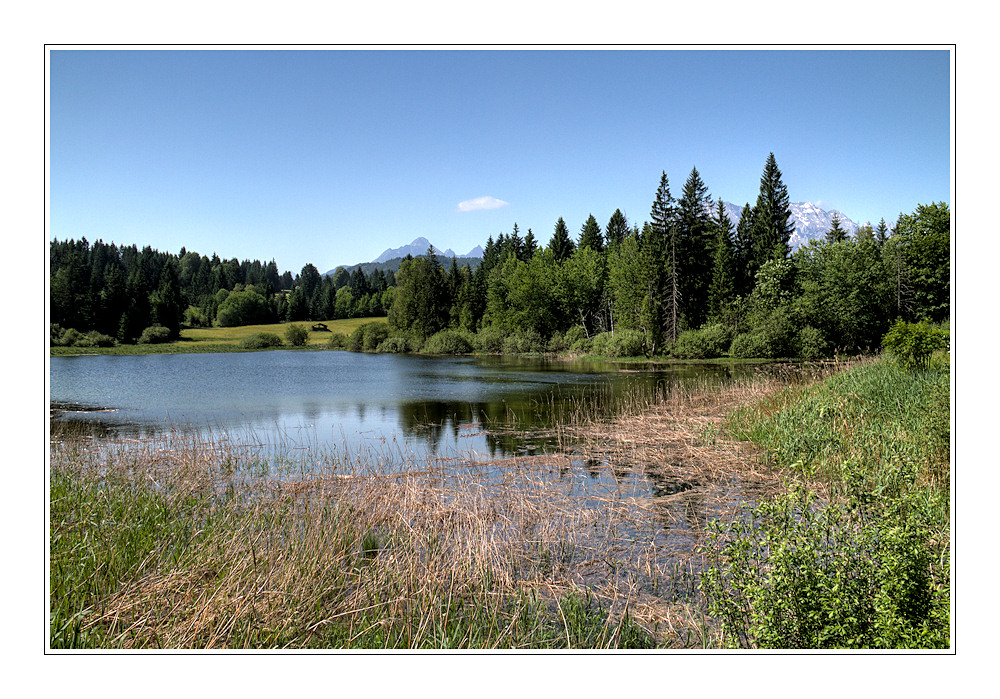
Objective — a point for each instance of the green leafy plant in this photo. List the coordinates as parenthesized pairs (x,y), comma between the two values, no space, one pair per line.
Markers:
(864,570)
(260,341)
(912,344)
(154,334)
(297,335)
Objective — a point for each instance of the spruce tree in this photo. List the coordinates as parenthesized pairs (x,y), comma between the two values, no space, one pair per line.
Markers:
(772,218)
(881,232)
(695,238)
(743,252)
(560,244)
(530,245)
(617,229)
(590,235)
(722,289)
(836,234)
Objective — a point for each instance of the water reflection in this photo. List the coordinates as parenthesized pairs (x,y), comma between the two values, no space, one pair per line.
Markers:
(492,406)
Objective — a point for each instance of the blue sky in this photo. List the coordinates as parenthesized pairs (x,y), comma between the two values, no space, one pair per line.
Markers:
(330,157)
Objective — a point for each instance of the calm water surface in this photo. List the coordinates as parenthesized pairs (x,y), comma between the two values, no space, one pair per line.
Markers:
(445,407)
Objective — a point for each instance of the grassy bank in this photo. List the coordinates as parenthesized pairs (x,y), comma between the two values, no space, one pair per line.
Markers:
(223,339)
(856,552)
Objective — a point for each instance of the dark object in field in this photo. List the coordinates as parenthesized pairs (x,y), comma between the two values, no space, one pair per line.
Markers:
(321,327)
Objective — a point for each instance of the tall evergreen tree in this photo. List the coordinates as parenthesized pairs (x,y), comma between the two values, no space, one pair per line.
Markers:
(881,232)
(560,244)
(530,245)
(659,250)
(695,238)
(772,218)
(743,251)
(165,302)
(616,229)
(722,290)
(836,234)
(590,235)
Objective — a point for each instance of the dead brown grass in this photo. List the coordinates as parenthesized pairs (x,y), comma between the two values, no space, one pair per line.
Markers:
(353,544)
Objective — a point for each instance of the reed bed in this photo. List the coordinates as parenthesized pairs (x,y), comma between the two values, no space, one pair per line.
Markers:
(176,541)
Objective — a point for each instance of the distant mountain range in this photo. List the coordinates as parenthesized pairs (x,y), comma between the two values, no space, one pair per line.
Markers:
(391,258)
(811,222)
(419,247)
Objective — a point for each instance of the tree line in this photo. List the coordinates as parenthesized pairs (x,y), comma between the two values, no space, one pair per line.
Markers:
(690,284)
(687,283)
(119,292)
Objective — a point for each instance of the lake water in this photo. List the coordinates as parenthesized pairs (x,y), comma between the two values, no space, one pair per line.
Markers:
(454,407)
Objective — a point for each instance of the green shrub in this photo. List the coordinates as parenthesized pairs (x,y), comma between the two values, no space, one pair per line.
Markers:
(859,572)
(260,341)
(95,339)
(912,344)
(154,334)
(557,343)
(367,337)
(622,343)
(392,345)
(448,342)
(707,342)
(297,335)
(489,340)
(584,345)
(338,341)
(195,317)
(375,334)
(810,344)
(526,342)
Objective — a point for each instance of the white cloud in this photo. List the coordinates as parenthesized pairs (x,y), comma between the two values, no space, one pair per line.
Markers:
(480,203)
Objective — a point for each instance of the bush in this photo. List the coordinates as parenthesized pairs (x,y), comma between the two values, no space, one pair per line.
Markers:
(195,317)
(557,343)
(527,342)
(260,341)
(95,339)
(623,343)
(912,344)
(297,335)
(810,344)
(392,345)
(707,342)
(489,340)
(154,334)
(367,337)
(584,345)
(448,342)
(338,341)
(375,334)
(859,572)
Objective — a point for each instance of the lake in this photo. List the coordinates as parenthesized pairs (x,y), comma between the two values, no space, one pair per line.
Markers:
(444,407)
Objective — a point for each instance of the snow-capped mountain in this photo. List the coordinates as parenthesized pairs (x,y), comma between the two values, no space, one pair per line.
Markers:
(811,222)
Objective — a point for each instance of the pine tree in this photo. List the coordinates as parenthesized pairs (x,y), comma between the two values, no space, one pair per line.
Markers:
(772,218)
(530,245)
(659,246)
(881,232)
(590,235)
(743,252)
(617,229)
(560,244)
(836,234)
(722,290)
(695,238)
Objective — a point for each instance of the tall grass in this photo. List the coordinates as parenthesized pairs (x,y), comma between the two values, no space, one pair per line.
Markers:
(159,546)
